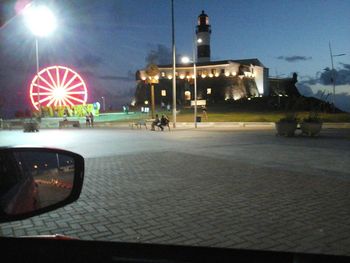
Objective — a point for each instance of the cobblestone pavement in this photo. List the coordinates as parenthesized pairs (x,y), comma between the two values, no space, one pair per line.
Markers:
(210,188)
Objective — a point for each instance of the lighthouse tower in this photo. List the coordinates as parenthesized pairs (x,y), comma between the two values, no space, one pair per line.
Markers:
(203,31)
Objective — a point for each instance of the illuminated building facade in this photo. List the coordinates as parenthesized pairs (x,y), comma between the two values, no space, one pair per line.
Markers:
(217,81)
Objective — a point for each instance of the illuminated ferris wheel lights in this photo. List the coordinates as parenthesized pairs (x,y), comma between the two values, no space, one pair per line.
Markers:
(58,86)
(59,93)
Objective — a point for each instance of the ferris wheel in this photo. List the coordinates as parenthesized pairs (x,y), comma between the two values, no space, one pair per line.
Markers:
(57,86)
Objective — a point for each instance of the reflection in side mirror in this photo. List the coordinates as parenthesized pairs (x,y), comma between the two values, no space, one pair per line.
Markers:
(37,180)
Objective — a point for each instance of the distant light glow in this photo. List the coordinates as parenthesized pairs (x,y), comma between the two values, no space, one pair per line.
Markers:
(58,86)
(40,20)
(185,60)
(199,40)
(59,93)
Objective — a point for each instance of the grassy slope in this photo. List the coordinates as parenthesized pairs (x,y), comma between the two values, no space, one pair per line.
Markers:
(257,110)
(219,116)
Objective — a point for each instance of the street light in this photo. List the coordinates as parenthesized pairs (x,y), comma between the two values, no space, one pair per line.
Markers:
(41,22)
(187,60)
(333,75)
(278,77)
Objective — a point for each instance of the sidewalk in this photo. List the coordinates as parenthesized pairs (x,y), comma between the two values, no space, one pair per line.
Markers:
(218,125)
(53,123)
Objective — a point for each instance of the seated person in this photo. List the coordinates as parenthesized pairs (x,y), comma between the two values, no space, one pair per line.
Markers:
(156,122)
(164,121)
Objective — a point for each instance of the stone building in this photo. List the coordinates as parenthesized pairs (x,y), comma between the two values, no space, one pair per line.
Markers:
(217,81)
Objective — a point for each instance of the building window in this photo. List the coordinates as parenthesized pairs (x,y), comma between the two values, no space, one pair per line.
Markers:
(215,72)
(187,95)
(163,92)
(208,91)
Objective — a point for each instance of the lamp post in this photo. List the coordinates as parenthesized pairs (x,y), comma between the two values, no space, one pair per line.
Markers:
(333,75)
(103,103)
(278,77)
(186,60)
(152,72)
(174,62)
(41,22)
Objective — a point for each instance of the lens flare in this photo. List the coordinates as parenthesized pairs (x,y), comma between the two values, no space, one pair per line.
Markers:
(40,20)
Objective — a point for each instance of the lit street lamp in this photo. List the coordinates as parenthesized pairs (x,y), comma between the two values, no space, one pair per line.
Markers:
(41,22)
(333,75)
(278,77)
(187,60)
(174,61)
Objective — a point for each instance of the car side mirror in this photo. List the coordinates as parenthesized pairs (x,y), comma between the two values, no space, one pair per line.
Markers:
(34,181)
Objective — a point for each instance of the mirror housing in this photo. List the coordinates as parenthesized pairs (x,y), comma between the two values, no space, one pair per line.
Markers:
(37,180)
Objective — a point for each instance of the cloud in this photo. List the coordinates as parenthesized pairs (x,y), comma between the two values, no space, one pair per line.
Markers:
(294,58)
(346,66)
(321,85)
(89,60)
(161,55)
(305,89)
(341,76)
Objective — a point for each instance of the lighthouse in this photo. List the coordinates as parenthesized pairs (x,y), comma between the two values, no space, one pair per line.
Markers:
(203,31)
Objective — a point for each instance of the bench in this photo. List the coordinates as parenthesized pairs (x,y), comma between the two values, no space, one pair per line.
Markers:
(65,123)
(139,124)
(30,127)
(167,125)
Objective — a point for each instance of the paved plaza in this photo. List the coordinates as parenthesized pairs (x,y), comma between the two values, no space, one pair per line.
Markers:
(239,188)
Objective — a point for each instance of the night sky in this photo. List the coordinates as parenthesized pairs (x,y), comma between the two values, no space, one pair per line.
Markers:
(106,41)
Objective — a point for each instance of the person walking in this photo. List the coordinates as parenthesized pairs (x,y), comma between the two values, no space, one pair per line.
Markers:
(204,112)
(87,120)
(91,119)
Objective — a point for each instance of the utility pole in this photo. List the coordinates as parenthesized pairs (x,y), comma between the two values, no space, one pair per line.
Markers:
(333,73)
(174,63)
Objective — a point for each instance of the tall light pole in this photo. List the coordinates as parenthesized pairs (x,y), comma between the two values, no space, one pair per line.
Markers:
(187,60)
(174,62)
(41,22)
(333,75)
(278,77)
(103,103)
